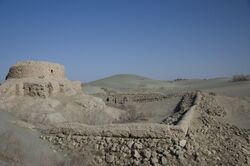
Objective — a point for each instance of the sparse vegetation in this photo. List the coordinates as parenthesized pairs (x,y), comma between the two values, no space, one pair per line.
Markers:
(241,77)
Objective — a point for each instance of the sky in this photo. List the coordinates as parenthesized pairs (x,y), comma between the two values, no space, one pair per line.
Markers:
(160,39)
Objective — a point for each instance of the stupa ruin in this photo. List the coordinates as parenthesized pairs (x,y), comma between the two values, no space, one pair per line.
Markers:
(40,79)
(39,92)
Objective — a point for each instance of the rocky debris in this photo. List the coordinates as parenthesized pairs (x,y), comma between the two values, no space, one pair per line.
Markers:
(211,107)
(208,142)
(184,105)
(163,160)
(183,143)
(136,154)
(110,158)
(113,150)
(146,153)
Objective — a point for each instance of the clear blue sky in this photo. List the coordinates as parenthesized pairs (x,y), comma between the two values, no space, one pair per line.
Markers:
(161,39)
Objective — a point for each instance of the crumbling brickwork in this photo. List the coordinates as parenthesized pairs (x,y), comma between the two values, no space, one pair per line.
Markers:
(35,69)
(39,79)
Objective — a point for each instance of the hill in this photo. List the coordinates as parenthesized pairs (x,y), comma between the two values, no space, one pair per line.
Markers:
(129,81)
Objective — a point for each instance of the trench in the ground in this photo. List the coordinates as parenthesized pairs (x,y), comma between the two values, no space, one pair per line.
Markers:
(153,108)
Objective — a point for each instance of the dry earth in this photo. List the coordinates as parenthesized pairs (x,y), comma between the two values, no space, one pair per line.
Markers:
(121,120)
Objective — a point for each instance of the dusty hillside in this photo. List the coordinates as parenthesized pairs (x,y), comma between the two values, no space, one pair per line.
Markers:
(126,82)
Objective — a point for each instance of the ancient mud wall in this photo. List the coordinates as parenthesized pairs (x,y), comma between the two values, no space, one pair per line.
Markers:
(40,88)
(36,70)
(134,130)
(127,144)
(38,79)
(123,98)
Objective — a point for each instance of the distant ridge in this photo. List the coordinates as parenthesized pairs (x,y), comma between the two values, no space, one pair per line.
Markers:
(123,81)
(120,77)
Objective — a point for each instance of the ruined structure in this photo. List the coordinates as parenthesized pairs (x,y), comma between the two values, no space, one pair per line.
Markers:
(44,80)
(39,92)
(124,98)
(38,79)
(35,69)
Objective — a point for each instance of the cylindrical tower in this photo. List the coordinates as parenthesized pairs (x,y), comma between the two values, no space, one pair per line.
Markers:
(36,69)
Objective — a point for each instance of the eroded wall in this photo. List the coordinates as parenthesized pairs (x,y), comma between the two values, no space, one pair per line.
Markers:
(36,70)
(38,79)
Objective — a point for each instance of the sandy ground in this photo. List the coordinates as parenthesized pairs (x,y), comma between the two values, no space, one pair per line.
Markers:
(238,111)
(20,144)
(156,111)
(233,96)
